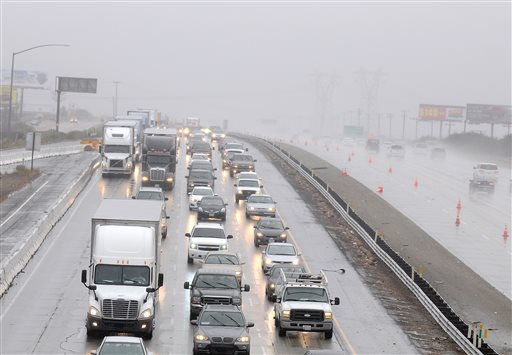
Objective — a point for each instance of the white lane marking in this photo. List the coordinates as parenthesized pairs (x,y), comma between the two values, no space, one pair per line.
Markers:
(24,203)
(50,247)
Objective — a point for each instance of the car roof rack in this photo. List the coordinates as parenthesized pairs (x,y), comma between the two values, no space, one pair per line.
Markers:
(306,279)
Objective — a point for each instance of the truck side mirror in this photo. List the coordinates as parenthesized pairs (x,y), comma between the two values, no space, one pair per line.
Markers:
(186,285)
(286,228)
(261,186)
(246,288)
(336,301)
(255,160)
(133,197)
(250,324)
(160,280)
(84,276)
(234,185)
(193,322)
(230,236)
(167,217)
(246,149)
(166,198)
(187,235)
(186,176)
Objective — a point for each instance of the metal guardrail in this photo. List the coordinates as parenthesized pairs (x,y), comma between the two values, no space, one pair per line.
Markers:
(468,338)
(19,156)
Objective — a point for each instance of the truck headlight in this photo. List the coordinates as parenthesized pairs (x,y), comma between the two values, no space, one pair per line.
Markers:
(235,166)
(104,164)
(251,208)
(200,209)
(146,314)
(193,246)
(223,210)
(295,262)
(236,300)
(271,209)
(129,165)
(200,337)
(196,300)
(238,273)
(243,339)
(259,234)
(268,261)
(169,179)
(145,178)
(224,247)
(272,285)
(328,315)
(250,166)
(286,314)
(93,311)
(239,192)
(283,235)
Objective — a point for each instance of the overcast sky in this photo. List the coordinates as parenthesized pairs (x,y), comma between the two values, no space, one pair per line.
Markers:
(250,61)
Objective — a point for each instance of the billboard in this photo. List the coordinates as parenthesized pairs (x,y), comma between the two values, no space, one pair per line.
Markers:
(85,85)
(28,79)
(477,113)
(353,131)
(441,113)
(4,96)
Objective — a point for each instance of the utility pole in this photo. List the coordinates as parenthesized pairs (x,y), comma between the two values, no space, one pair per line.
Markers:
(390,116)
(403,124)
(326,85)
(369,82)
(116,83)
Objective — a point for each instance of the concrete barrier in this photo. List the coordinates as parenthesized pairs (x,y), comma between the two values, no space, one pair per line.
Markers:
(14,264)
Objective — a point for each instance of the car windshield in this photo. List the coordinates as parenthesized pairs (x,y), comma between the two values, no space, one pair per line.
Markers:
(288,271)
(208,233)
(202,192)
(248,183)
(271,224)
(397,147)
(119,348)
(200,157)
(242,157)
(248,176)
(202,165)
(234,146)
(212,202)
(305,294)
(222,259)
(260,199)
(158,159)
(488,167)
(203,175)
(116,149)
(121,275)
(280,249)
(224,319)
(201,146)
(150,195)
(216,281)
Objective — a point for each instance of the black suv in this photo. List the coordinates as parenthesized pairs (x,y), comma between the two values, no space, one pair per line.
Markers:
(199,178)
(211,207)
(241,162)
(214,286)
(270,230)
(201,147)
(221,329)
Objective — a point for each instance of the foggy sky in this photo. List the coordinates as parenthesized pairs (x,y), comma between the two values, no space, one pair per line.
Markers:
(248,61)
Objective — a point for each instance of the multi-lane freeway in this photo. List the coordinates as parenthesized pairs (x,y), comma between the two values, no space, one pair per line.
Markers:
(44,311)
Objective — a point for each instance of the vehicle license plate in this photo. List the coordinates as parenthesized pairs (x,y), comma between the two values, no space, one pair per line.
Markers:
(306,327)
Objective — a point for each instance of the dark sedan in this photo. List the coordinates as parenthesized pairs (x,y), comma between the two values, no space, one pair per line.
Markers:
(211,207)
(269,230)
(221,329)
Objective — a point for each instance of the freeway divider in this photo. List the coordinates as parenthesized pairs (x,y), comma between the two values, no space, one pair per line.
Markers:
(12,265)
(469,337)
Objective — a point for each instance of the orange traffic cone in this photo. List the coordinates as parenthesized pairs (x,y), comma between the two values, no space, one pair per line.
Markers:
(416,183)
(505,233)
(349,158)
(457,220)
(370,160)
(380,189)
(459,206)
(390,170)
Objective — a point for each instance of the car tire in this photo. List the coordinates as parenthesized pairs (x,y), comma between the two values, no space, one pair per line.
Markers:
(148,336)
(191,316)
(328,334)
(190,260)
(164,235)
(237,200)
(282,332)
(91,333)
(246,215)
(256,242)
(276,322)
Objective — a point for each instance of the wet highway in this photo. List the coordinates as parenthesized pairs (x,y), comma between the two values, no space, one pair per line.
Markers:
(44,311)
(431,202)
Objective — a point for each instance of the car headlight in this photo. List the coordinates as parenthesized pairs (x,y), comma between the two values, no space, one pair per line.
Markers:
(235,166)
(145,178)
(169,179)
(129,165)
(271,209)
(283,235)
(238,273)
(251,208)
(250,166)
(200,209)
(272,285)
(286,314)
(223,210)
(236,300)
(146,314)
(224,247)
(193,246)
(224,160)
(93,311)
(191,184)
(295,262)
(240,192)
(200,337)
(328,315)
(259,234)
(243,339)
(196,299)
(268,261)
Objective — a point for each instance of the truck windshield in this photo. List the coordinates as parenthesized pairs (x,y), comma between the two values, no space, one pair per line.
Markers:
(248,183)
(121,275)
(208,233)
(116,149)
(201,175)
(150,195)
(305,294)
(158,159)
(216,281)
(243,157)
(234,146)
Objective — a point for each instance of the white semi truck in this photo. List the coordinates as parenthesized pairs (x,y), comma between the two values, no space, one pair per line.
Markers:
(117,149)
(138,132)
(124,267)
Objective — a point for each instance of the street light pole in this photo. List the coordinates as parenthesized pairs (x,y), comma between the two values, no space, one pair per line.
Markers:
(403,125)
(116,83)
(12,76)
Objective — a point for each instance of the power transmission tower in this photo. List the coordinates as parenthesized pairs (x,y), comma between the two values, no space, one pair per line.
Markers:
(326,85)
(369,82)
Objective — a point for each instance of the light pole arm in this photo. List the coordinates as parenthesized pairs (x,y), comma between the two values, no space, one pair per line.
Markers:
(42,45)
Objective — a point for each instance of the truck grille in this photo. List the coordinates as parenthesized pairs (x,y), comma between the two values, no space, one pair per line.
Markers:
(306,315)
(215,300)
(116,163)
(156,174)
(227,340)
(120,309)
(208,247)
